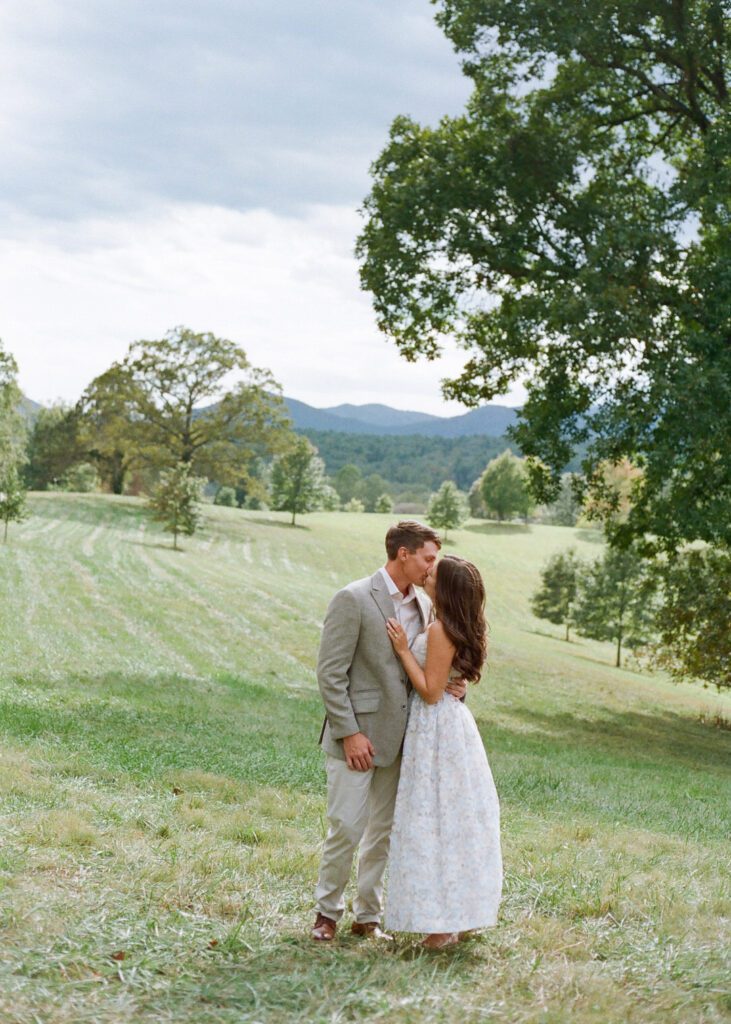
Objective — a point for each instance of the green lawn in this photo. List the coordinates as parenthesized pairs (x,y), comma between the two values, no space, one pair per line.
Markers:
(163,794)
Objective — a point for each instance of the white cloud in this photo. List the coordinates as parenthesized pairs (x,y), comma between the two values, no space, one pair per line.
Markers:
(172,161)
(75,294)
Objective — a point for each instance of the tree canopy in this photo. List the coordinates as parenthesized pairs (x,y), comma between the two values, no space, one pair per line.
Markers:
(298,479)
(179,406)
(504,486)
(175,502)
(448,508)
(614,600)
(554,599)
(572,229)
(12,427)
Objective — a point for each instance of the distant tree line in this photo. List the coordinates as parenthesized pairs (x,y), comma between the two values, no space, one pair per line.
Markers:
(411,460)
(166,422)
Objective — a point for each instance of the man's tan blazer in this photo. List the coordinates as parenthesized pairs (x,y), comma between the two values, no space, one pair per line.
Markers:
(363,685)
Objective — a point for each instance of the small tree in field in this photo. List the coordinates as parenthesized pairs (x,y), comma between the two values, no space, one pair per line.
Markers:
(614,600)
(448,508)
(694,639)
(175,501)
(566,509)
(329,499)
(554,600)
(354,505)
(12,499)
(298,479)
(225,496)
(504,486)
(384,504)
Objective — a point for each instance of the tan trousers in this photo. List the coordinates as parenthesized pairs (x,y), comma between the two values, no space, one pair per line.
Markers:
(360,809)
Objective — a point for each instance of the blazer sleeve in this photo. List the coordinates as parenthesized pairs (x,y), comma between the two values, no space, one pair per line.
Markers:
(339,640)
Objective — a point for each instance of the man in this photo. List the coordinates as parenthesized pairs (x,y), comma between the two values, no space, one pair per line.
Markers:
(365,692)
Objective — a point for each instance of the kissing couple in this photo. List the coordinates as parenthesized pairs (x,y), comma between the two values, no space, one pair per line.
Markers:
(406,768)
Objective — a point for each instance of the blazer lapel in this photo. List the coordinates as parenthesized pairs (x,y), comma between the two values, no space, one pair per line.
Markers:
(381,596)
(423,604)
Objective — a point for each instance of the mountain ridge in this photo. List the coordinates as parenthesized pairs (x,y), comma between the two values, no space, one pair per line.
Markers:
(375,418)
(487,420)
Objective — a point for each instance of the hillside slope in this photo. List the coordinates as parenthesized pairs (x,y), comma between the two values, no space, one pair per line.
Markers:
(162,794)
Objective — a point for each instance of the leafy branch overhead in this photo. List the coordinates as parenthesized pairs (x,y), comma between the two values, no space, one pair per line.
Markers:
(572,229)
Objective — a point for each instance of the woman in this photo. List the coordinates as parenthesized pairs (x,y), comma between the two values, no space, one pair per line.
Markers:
(445,866)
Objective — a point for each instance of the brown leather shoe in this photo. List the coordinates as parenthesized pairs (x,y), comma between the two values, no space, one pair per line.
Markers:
(323,929)
(370,930)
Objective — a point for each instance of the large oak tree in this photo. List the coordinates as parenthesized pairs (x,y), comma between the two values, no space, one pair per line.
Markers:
(572,229)
(188,398)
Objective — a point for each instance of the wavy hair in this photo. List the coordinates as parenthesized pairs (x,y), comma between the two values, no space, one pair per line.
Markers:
(460,607)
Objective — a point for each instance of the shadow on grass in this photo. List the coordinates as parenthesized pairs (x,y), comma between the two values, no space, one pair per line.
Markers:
(277,522)
(154,545)
(660,771)
(590,536)
(663,771)
(493,529)
(296,979)
(145,727)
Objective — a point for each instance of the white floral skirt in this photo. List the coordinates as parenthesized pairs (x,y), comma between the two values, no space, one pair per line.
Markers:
(445,864)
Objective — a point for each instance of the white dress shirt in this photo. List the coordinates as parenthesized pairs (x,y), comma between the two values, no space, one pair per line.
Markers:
(407,608)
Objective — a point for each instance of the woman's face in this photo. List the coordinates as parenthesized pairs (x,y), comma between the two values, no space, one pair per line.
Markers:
(430,584)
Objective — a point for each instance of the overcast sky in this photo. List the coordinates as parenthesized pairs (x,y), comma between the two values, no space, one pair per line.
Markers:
(168,162)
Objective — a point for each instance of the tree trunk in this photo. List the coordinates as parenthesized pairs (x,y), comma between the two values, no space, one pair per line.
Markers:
(618,662)
(175,540)
(294,513)
(567,631)
(119,472)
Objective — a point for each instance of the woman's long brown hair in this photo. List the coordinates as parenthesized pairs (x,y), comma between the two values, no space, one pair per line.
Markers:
(459,606)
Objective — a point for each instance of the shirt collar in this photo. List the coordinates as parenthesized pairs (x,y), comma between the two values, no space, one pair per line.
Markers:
(394,590)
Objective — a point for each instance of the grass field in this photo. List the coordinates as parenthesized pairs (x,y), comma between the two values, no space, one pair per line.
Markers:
(162,793)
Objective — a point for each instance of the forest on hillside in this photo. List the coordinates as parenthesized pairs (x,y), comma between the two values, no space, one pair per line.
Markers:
(412,459)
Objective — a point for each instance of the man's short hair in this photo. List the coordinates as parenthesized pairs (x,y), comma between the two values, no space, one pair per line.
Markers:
(411,535)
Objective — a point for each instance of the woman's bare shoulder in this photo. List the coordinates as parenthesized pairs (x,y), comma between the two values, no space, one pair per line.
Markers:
(437,635)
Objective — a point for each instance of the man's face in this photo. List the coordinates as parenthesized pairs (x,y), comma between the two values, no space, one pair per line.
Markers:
(418,564)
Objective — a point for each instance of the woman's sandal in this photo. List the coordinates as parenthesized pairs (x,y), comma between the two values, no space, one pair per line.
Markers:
(440,940)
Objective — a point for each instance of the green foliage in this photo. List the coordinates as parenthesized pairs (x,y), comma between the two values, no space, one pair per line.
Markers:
(504,487)
(615,601)
(347,480)
(329,499)
(694,617)
(54,447)
(82,478)
(298,479)
(371,489)
(225,496)
(571,229)
(163,752)
(12,423)
(566,509)
(107,413)
(554,600)
(175,501)
(164,386)
(384,504)
(12,497)
(354,505)
(448,508)
(405,461)
(475,500)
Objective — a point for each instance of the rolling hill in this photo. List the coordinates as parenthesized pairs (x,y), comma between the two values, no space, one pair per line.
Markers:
(162,793)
